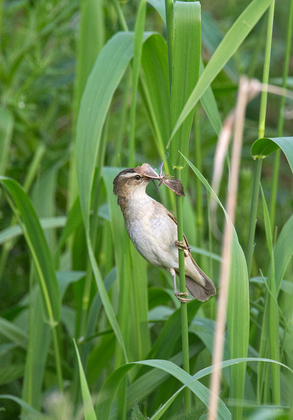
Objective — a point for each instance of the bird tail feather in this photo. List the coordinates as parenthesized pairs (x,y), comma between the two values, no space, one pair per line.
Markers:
(199,292)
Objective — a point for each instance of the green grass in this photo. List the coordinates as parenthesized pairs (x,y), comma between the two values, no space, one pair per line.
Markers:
(88,329)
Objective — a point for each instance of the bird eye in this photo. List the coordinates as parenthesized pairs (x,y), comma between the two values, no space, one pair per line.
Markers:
(137,177)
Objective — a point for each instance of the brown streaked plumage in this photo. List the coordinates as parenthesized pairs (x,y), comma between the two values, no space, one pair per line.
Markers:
(153,231)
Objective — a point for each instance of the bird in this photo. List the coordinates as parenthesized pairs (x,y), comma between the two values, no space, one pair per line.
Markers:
(152,229)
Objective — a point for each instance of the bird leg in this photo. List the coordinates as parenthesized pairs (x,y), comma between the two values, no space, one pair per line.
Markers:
(176,292)
(181,245)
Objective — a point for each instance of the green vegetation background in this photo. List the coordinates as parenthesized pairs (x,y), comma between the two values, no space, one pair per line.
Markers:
(47,51)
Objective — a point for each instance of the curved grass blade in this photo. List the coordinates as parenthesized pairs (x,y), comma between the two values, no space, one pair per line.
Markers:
(89,412)
(108,70)
(238,314)
(265,146)
(231,42)
(24,211)
(108,390)
(34,414)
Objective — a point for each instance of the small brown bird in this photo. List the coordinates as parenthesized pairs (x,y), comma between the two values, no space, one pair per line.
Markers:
(153,231)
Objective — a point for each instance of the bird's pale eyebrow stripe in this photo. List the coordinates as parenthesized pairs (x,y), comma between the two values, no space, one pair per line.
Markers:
(128,174)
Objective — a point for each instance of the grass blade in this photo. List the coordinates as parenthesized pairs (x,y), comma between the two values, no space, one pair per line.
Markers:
(89,412)
(137,52)
(238,304)
(185,71)
(6,128)
(224,52)
(24,211)
(265,146)
(108,71)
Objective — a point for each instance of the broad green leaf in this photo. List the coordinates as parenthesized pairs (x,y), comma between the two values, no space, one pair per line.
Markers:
(88,408)
(24,211)
(231,42)
(208,100)
(156,90)
(107,392)
(185,71)
(108,389)
(159,5)
(108,70)
(222,409)
(263,147)
(211,34)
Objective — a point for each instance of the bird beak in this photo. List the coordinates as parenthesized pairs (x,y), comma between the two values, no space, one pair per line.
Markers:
(149,174)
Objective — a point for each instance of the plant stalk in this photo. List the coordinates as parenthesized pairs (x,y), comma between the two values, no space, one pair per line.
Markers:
(261,132)
(57,359)
(184,315)
(253,214)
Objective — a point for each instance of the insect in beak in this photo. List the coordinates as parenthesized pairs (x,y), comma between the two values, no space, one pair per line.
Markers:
(148,172)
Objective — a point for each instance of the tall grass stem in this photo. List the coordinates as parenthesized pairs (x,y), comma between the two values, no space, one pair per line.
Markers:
(120,15)
(184,316)
(57,358)
(253,213)
(261,132)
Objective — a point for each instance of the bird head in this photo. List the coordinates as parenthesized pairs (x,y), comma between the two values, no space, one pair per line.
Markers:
(136,179)
(133,179)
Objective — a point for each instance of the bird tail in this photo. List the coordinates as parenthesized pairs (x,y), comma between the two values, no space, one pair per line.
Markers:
(198,291)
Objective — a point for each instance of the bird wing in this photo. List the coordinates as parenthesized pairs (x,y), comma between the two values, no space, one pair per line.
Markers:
(209,288)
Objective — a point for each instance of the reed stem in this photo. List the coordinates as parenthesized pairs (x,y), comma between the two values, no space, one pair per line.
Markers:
(261,132)
(184,315)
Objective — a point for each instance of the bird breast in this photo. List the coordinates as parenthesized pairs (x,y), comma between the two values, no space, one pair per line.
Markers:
(152,231)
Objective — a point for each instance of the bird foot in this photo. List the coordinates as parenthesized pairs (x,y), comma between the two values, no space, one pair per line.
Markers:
(182,299)
(181,245)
